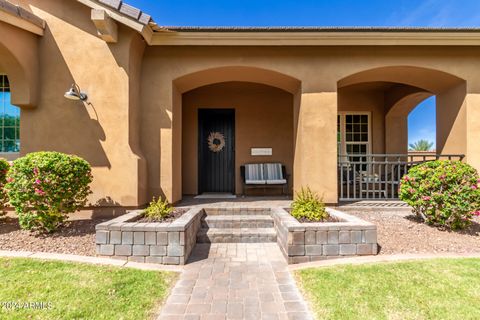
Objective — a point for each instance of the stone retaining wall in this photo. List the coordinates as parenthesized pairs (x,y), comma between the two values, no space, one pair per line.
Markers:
(153,242)
(303,242)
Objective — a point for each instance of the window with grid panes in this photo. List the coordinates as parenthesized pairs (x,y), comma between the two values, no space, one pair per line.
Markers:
(10,119)
(353,135)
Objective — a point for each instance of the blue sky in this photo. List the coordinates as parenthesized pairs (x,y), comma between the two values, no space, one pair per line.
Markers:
(428,13)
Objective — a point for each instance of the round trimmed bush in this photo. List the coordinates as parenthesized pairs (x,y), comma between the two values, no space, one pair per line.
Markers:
(4,167)
(44,187)
(442,192)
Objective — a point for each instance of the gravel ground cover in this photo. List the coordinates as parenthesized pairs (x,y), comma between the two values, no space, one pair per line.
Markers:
(77,237)
(401,232)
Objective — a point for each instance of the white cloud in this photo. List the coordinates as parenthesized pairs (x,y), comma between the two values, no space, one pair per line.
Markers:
(430,13)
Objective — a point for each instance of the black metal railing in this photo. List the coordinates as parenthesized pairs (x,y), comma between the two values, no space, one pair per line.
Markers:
(377,176)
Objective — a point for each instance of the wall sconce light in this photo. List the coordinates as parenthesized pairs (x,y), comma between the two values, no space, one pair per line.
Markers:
(75,94)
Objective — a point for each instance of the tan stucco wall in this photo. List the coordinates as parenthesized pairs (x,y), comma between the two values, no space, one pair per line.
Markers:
(263,119)
(365,99)
(131,132)
(104,131)
(315,163)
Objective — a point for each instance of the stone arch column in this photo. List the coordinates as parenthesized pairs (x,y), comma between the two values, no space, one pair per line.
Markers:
(19,60)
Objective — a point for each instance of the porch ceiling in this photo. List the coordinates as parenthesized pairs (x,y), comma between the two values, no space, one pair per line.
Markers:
(434,81)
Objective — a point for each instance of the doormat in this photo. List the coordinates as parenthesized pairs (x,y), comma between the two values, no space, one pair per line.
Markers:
(209,195)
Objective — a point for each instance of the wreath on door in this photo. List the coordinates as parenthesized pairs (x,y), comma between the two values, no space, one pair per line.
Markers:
(216,141)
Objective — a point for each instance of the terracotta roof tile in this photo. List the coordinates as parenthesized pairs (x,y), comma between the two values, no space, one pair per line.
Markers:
(127,10)
(115,4)
(130,11)
(145,18)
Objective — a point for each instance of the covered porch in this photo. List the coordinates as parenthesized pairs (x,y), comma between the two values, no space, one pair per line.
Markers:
(234,118)
(372,127)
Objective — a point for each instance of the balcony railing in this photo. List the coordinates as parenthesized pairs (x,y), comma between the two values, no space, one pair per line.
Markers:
(377,176)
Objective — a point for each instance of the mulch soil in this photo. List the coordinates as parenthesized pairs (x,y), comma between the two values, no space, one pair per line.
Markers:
(177,213)
(305,220)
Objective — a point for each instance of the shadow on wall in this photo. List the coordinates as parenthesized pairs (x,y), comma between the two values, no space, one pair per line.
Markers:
(59,124)
(107,208)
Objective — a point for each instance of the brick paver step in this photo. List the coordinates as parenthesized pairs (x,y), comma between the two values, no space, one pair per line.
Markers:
(237,221)
(237,211)
(236,235)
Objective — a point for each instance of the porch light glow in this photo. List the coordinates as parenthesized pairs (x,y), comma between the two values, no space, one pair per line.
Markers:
(75,94)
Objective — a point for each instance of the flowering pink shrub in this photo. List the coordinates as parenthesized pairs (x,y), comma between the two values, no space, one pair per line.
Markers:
(4,167)
(442,192)
(44,187)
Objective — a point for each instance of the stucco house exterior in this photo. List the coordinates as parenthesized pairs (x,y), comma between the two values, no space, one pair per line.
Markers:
(301,95)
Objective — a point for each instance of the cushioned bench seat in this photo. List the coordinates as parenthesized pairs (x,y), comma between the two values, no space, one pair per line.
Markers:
(254,174)
(263,175)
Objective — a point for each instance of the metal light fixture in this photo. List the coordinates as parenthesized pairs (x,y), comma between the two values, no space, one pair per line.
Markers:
(75,94)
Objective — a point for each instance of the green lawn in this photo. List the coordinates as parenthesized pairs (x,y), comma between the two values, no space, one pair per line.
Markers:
(433,289)
(79,291)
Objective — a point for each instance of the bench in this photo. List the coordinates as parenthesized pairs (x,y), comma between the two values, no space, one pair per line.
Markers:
(264,175)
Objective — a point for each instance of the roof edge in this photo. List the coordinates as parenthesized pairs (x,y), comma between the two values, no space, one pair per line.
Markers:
(315,29)
(21,18)
(316,38)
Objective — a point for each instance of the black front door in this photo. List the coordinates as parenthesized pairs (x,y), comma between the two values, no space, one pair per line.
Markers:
(216,147)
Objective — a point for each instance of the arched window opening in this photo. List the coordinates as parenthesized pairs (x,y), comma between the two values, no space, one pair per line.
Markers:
(422,127)
(9,119)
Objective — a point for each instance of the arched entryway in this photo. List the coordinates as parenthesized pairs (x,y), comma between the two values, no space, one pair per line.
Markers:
(373,109)
(250,108)
(19,84)
(19,60)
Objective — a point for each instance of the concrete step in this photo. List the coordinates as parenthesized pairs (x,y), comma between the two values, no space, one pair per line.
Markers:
(236,211)
(236,235)
(237,221)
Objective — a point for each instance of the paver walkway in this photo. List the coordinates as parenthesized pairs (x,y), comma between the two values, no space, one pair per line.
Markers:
(235,281)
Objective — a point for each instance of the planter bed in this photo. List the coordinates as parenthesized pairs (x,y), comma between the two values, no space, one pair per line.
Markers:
(152,242)
(76,237)
(399,232)
(311,241)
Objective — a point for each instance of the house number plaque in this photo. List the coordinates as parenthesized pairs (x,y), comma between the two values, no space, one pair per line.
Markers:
(261,151)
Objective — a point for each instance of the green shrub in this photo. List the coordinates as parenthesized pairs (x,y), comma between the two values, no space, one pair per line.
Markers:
(158,210)
(308,205)
(44,187)
(4,167)
(442,192)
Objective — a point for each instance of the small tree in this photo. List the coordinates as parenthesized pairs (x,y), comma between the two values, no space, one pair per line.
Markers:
(44,187)
(421,145)
(442,192)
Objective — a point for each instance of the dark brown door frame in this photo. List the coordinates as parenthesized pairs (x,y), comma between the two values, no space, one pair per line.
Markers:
(216,171)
